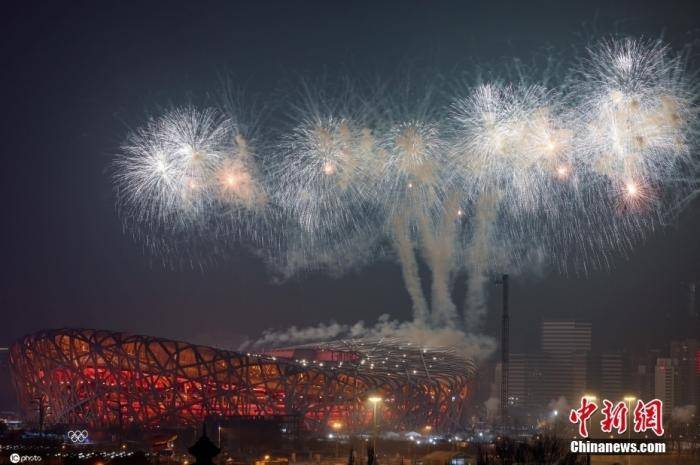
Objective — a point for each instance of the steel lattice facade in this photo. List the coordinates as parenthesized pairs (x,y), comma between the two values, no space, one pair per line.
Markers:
(106,379)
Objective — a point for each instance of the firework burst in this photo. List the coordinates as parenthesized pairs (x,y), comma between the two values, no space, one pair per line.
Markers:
(506,175)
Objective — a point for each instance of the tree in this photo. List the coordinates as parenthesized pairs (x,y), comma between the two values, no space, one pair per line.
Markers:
(546,449)
(505,450)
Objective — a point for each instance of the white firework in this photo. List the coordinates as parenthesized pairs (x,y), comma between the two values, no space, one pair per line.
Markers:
(507,175)
(187,171)
(511,139)
(636,113)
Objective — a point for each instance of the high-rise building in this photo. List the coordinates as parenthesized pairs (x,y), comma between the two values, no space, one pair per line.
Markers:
(665,382)
(517,379)
(566,347)
(612,374)
(642,373)
(525,381)
(566,336)
(686,357)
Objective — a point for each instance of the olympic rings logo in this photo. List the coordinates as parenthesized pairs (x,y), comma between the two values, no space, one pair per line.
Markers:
(78,436)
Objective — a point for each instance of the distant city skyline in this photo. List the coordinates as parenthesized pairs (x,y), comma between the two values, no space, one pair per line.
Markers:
(568,365)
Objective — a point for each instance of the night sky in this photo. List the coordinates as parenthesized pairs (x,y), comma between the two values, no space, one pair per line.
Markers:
(77,77)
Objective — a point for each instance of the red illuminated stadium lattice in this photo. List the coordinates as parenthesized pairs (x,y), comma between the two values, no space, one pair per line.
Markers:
(105,379)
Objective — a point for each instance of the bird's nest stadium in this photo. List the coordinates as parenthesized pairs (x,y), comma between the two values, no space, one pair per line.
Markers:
(105,379)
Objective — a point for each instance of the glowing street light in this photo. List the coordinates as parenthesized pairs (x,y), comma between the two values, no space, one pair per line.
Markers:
(337,426)
(375,400)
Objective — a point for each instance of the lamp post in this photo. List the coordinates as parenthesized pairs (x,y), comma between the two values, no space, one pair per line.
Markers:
(427,430)
(629,400)
(41,408)
(337,426)
(374,400)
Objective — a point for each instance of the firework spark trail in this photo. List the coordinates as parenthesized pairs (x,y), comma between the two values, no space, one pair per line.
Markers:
(571,175)
(302,252)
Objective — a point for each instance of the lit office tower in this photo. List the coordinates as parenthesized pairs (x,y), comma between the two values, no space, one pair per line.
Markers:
(566,346)
(665,383)
(517,379)
(566,336)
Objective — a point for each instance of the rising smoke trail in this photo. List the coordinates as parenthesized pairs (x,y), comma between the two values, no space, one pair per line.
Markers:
(409,266)
(479,254)
(438,241)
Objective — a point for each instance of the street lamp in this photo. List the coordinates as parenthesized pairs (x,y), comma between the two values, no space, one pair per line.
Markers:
(41,407)
(554,416)
(427,430)
(337,426)
(374,400)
